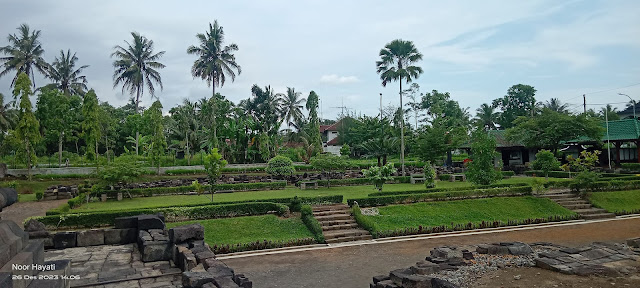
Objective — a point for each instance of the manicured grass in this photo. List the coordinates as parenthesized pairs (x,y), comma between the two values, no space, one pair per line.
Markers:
(464,211)
(621,202)
(349,192)
(250,229)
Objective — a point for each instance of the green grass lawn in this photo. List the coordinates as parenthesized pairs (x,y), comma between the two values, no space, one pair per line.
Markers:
(349,192)
(464,211)
(250,229)
(616,201)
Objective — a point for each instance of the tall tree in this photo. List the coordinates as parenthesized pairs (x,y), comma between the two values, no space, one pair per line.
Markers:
(27,129)
(136,68)
(610,112)
(53,111)
(158,141)
(66,77)
(292,106)
(214,60)
(23,54)
(549,129)
(554,104)
(313,130)
(396,59)
(91,124)
(486,117)
(519,101)
(414,106)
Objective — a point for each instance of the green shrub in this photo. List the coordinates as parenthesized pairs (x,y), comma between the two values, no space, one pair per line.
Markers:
(345,150)
(121,171)
(429,176)
(77,201)
(507,174)
(481,170)
(148,192)
(185,171)
(61,176)
(545,161)
(380,175)
(630,166)
(444,177)
(39,195)
(280,166)
(440,196)
(312,223)
(584,180)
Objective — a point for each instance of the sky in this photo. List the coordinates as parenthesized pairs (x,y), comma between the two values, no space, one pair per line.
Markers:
(473,49)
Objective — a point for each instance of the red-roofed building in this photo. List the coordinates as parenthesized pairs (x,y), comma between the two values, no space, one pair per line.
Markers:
(330,133)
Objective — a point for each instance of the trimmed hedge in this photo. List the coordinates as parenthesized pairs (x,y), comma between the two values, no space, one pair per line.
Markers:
(89,220)
(364,222)
(430,190)
(312,223)
(630,166)
(148,192)
(444,177)
(440,196)
(185,171)
(62,176)
(77,201)
(360,181)
(609,185)
(508,174)
(293,201)
(564,174)
(259,245)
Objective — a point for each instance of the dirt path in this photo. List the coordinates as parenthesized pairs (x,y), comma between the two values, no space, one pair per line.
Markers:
(23,210)
(354,266)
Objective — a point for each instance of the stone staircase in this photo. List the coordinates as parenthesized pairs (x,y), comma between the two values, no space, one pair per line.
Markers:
(576,204)
(338,225)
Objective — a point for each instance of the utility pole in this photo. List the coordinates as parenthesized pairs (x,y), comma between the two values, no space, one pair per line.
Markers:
(381,127)
(584,102)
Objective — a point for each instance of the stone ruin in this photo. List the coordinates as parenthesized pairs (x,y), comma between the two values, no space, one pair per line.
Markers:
(57,192)
(447,265)
(22,259)
(183,245)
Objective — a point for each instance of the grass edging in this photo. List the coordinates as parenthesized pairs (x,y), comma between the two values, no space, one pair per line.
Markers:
(312,223)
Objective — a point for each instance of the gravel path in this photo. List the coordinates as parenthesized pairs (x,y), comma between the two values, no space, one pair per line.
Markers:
(23,210)
(354,266)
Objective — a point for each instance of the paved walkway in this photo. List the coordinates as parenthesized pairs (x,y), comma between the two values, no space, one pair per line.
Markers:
(20,211)
(116,262)
(354,266)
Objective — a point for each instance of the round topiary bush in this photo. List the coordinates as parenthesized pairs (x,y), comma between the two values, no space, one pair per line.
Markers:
(280,166)
(429,175)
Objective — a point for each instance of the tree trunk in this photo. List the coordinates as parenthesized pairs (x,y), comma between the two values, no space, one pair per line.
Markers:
(137,132)
(97,163)
(401,129)
(28,161)
(186,137)
(213,98)
(384,160)
(379,162)
(60,149)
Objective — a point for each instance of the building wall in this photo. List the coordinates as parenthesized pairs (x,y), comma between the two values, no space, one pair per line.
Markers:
(332,135)
(331,149)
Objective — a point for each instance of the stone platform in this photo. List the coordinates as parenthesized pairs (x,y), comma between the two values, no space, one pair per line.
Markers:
(98,264)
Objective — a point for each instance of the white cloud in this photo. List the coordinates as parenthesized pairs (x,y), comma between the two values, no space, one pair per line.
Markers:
(335,79)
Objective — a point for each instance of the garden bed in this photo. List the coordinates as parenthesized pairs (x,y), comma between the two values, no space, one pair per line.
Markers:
(444,216)
(618,202)
(252,233)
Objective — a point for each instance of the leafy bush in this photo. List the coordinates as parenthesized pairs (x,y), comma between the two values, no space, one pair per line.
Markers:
(120,171)
(259,245)
(345,150)
(185,171)
(584,180)
(39,195)
(76,201)
(62,176)
(280,166)
(148,192)
(429,176)
(585,161)
(481,170)
(379,175)
(630,166)
(312,223)
(444,177)
(507,174)
(441,196)
(538,186)
(545,161)
(11,184)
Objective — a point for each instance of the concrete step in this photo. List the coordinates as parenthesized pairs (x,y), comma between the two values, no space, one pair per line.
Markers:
(577,206)
(331,212)
(570,202)
(333,217)
(598,216)
(344,233)
(350,238)
(337,222)
(590,211)
(559,196)
(345,226)
(330,207)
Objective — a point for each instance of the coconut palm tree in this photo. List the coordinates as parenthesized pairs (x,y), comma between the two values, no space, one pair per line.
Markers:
(66,77)
(136,68)
(609,113)
(486,117)
(23,54)
(396,59)
(292,106)
(554,104)
(7,115)
(215,62)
